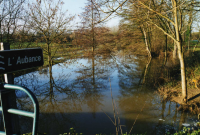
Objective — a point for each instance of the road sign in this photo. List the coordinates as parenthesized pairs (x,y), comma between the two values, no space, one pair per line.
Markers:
(14,60)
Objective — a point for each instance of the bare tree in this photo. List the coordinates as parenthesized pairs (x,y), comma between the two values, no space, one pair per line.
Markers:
(49,21)
(171,15)
(90,20)
(11,17)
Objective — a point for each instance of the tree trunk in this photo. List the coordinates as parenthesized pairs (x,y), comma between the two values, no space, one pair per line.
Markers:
(93,71)
(146,43)
(146,70)
(175,51)
(189,45)
(93,38)
(189,37)
(180,54)
(183,77)
(190,29)
(165,49)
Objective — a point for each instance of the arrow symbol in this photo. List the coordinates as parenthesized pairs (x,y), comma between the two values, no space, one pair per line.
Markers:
(2,68)
(1,62)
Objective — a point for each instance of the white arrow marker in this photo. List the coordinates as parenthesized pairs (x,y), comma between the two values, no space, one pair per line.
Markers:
(2,68)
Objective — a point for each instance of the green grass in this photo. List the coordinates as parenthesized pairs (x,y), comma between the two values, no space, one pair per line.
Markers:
(186,131)
(192,45)
(197,49)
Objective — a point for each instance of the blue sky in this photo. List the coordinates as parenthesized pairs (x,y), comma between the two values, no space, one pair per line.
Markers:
(75,7)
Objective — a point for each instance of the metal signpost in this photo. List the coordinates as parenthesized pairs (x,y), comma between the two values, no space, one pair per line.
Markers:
(12,61)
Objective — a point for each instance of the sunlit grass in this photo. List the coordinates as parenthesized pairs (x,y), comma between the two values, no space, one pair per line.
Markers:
(197,49)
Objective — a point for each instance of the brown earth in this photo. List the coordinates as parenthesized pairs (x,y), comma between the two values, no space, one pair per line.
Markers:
(174,95)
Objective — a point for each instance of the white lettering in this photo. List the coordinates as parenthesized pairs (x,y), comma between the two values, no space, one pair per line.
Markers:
(26,60)
(36,58)
(18,61)
(30,60)
(22,60)
(33,59)
(9,62)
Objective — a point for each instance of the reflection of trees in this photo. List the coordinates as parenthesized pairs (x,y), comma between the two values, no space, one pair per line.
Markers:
(132,105)
(61,97)
(55,97)
(133,72)
(153,119)
(129,72)
(132,99)
(93,77)
(92,80)
(159,72)
(154,74)
(65,97)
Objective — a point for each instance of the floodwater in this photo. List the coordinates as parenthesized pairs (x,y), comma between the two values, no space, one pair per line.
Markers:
(81,93)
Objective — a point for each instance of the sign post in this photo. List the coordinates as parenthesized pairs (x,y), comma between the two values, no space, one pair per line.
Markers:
(12,61)
(11,122)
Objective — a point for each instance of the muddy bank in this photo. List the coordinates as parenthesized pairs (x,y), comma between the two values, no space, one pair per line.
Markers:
(174,94)
(171,89)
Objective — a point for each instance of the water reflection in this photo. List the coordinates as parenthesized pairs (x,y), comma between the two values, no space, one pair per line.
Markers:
(55,96)
(74,93)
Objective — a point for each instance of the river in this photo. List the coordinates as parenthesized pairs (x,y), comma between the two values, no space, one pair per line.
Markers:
(81,93)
